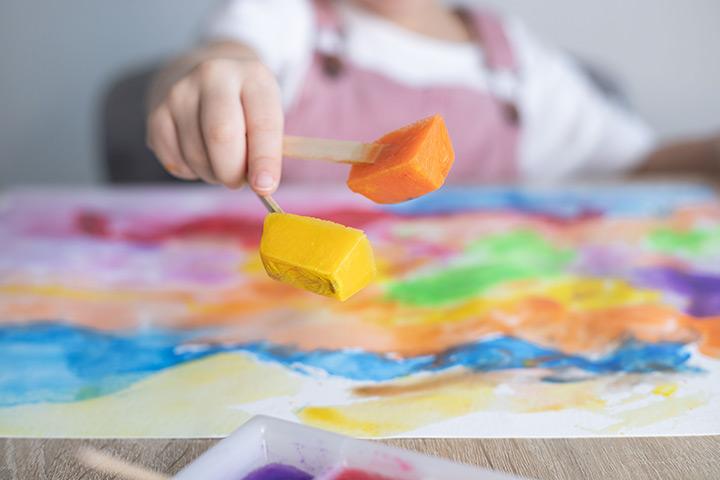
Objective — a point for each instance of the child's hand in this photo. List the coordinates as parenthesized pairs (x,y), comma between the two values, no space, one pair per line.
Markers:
(222,122)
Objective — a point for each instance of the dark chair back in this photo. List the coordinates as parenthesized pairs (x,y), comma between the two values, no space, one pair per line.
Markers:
(127,158)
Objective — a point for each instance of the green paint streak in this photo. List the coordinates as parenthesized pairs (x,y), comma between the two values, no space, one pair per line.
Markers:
(487,263)
(521,247)
(106,386)
(88,392)
(693,242)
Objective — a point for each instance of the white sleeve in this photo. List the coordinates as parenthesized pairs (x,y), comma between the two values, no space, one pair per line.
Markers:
(280,32)
(570,128)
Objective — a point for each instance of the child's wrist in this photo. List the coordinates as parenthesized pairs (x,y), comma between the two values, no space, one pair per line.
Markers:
(715,153)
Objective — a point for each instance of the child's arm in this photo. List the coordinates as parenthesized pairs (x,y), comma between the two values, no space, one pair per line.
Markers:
(571,129)
(204,104)
(701,157)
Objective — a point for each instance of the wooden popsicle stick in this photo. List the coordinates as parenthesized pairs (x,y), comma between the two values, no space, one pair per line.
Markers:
(106,463)
(338,151)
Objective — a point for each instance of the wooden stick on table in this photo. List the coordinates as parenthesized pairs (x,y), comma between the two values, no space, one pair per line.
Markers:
(103,462)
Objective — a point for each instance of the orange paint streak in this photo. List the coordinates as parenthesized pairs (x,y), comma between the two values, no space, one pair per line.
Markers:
(709,329)
(310,322)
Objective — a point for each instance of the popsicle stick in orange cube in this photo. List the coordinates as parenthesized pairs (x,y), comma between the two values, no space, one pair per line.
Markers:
(401,165)
(416,160)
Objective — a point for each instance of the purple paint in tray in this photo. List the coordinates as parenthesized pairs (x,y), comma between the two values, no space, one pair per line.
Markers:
(270,449)
(278,471)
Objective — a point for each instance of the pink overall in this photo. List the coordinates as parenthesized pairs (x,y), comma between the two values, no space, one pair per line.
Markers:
(341,101)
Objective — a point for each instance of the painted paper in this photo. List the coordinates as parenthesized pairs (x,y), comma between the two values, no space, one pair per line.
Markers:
(496,312)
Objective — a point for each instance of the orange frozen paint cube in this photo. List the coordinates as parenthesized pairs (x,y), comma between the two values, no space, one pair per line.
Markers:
(416,160)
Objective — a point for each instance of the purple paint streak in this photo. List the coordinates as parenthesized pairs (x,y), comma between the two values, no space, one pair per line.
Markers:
(701,290)
(602,260)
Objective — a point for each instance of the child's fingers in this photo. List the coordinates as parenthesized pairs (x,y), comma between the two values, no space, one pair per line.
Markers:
(223,128)
(162,139)
(264,124)
(184,103)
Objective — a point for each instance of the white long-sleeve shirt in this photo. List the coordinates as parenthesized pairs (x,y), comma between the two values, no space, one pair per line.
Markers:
(569,127)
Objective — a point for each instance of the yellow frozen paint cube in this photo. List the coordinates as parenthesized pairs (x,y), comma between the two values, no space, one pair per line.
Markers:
(316,255)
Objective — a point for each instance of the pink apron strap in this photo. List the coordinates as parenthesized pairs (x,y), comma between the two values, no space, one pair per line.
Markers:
(498,49)
(326,15)
(499,58)
(330,37)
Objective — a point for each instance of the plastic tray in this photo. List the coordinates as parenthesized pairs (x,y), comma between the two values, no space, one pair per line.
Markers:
(265,440)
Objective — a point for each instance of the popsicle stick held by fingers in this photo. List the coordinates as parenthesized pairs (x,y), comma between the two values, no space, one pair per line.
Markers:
(105,463)
(338,151)
(270,203)
(401,165)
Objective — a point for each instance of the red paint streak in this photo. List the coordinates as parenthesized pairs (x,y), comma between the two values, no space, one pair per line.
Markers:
(92,223)
(355,474)
(352,217)
(404,466)
(582,217)
(246,231)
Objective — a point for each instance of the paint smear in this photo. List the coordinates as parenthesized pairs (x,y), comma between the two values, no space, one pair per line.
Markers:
(411,404)
(357,474)
(665,390)
(60,363)
(495,260)
(170,402)
(559,309)
(692,242)
(403,413)
(662,410)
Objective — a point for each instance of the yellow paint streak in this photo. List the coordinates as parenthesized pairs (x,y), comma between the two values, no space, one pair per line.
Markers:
(547,397)
(665,409)
(434,316)
(593,293)
(404,406)
(402,413)
(578,293)
(59,291)
(665,390)
(195,399)
(573,294)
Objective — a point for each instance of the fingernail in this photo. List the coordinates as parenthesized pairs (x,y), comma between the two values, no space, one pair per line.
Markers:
(264,181)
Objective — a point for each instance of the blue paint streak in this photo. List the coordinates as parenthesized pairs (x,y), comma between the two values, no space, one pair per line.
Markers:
(49,362)
(350,364)
(501,353)
(567,203)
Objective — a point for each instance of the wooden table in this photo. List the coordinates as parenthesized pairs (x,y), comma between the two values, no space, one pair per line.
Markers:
(681,458)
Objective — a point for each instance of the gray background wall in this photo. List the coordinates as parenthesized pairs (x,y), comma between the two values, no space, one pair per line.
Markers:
(57,56)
